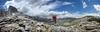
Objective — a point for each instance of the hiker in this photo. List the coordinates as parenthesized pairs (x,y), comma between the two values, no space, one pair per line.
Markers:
(54,18)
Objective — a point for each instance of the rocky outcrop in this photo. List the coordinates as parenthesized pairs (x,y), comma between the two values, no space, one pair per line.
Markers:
(22,24)
(10,11)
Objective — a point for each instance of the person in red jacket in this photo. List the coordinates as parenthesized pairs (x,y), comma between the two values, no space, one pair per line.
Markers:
(54,18)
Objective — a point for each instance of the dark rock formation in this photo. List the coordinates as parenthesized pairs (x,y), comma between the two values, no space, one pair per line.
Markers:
(12,9)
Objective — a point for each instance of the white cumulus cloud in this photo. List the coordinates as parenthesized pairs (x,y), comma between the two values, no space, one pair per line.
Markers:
(97,7)
(36,7)
(67,3)
(40,8)
(84,5)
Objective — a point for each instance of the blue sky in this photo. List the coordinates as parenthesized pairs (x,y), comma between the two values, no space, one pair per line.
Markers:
(2,3)
(76,6)
(73,6)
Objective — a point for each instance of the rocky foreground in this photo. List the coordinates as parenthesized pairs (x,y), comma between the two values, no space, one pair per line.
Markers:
(26,24)
(14,21)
